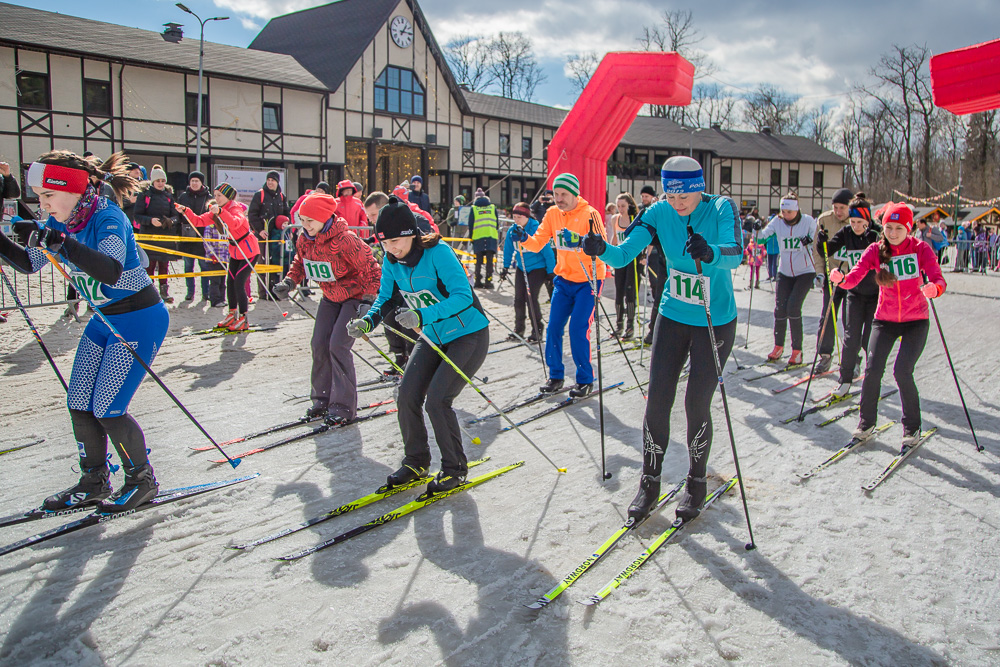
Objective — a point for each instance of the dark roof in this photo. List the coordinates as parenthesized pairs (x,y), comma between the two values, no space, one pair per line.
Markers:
(493,106)
(71,34)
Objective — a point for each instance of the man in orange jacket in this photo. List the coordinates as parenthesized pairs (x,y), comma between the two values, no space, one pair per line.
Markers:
(573,296)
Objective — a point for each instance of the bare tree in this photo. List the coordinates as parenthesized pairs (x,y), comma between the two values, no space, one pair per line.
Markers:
(770,106)
(819,126)
(712,105)
(580,67)
(676,32)
(513,66)
(469,59)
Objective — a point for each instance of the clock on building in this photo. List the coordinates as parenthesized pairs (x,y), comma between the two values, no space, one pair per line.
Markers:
(402,31)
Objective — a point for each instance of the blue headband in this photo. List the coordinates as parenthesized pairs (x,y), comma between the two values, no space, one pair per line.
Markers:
(680,182)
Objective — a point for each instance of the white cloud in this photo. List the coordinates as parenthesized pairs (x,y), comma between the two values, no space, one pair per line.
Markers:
(249,24)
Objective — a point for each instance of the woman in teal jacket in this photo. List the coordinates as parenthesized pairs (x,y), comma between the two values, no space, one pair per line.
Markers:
(689,225)
(424,278)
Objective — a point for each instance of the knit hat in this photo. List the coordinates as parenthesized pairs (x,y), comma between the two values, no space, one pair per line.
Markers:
(324,186)
(861,209)
(395,220)
(648,190)
(227,191)
(273,174)
(479,193)
(56,177)
(460,199)
(567,182)
(843,196)
(522,209)
(681,174)
(416,179)
(898,212)
(197,174)
(357,188)
(318,206)
(157,173)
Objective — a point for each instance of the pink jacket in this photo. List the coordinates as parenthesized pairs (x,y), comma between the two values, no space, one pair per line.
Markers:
(903,301)
(234,217)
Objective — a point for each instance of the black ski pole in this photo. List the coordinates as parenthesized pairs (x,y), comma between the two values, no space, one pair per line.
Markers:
(812,369)
(597,326)
(958,386)
(31,325)
(536,325)
(725,402)
(622,348)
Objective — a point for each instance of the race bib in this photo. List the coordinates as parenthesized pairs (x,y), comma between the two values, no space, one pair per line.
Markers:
(849,256)
(568,240)
(791,243)
(904,267)
(90,287)
(321,272)
(686,287)
(421,299)
(621,237)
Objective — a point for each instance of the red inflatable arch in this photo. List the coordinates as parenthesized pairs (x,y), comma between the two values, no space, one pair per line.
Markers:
(967,80)
(622,83)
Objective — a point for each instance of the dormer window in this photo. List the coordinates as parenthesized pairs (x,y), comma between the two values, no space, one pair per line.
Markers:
(398,91)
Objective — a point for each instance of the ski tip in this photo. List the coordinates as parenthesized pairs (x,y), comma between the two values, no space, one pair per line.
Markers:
(561,469)
(592,601)
(537,604)
(235,462)
(477,441)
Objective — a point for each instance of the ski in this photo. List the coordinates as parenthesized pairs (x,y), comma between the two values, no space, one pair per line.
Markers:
(800,382)
(844,451)
(540,396)
(322,428)
(508,348)
(904,453)
(302,421)
(20,447)
(216,334)
(608,545)
(646,383)
(829,403)
(664,537)
(202,332)
(854,408)
(422,501)
(96,517)
(624,348)
(565,403)
(363,501)
(783,369)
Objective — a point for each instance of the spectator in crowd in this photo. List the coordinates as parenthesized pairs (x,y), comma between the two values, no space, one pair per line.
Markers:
(417,195)
(963,240)
(195,197)
(267,204)
(484,232)
(932,235)
(980,247)
(9,187)
(541,205)
(351,209)
(654,262)
(532,269)
(155,214)
(451,220)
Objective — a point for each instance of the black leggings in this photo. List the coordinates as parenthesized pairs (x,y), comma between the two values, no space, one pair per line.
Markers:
(626,293)
(92,439)
(485,256)
(859,311)
(788,299)
(672,342)
(912,337)
(535,279)
(429,383)
(237,278)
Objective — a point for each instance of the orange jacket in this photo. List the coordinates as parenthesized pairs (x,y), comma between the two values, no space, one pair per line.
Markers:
(568,230)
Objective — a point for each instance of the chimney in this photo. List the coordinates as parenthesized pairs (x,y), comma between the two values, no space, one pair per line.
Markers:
(766,130)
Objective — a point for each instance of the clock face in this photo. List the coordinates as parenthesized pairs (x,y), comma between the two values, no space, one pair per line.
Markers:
(402,31)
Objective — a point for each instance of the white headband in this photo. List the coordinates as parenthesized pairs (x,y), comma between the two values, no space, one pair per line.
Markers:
(789,205)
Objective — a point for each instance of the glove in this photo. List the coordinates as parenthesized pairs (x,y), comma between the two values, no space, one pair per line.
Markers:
(594,244)
(806,240)
(931,290)
(53,240)
(503,273)
(282,288)
(359,327)
(823,236)
(836,276)
(818,281)
(698,248)
(518,233)
(757,226)
(22,229)
(408,319)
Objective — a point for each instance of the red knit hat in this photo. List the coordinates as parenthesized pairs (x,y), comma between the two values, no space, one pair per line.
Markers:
(318,206)
(899,212)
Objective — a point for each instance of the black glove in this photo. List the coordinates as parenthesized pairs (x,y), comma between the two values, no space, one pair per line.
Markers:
(282,288)
(806,240)
(52,240)
(698,248)
(757,226)
(823,236)
(503,273)
(22,229)
(594,245)
(748,225)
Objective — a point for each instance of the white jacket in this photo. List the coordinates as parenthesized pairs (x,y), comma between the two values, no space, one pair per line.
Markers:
(796,258)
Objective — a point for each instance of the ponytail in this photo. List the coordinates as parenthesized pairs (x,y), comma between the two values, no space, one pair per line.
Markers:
(884,277)
(113,171)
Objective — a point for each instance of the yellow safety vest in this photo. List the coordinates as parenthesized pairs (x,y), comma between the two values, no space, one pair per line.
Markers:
(484,222)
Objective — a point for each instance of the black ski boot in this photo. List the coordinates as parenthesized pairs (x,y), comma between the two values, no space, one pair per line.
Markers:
(92,488)
(690,504)
(334,420)
(479,284)
(551,387)
(645,500)
(140,487)
(580,390)
(488,284)
(405,475)
(443,482)
(318,409)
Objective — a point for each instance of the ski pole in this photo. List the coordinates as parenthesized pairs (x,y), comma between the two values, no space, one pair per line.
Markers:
(645,311)
(725,402)
(58,264)
(947,353)
(536,325)
(746,338)
(812,369)
(830,290)
(479,391)
(605,475)
(31,325)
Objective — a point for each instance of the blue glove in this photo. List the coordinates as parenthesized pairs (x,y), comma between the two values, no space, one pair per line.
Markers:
(569,239)
(594,244)
(698,248)
(518,233)
(408,319)
(359,327)
(53,240)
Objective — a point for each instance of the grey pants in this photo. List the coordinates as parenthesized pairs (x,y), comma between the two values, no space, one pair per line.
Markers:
(430,383)
(333,379)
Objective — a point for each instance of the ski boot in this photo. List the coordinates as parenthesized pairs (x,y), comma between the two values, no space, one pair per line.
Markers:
(140,487)
(488,284)
(92,488)
(580,390)
(404,475)
(164,295)
(479,284)
(842,391)
(239,324)
(512,338)
(863,432)
(335,420)
(533,338)
(443,482)
(776,353)
(648,340)
(645,500)
(230,317)
(825,361)
(910,439)
(690,504)
(551,387)
(796,357)
(629,334)
(318,409)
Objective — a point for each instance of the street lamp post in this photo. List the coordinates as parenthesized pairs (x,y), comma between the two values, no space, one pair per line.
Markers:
(201,59)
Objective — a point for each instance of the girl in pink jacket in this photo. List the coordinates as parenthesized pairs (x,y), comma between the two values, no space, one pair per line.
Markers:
(902,262)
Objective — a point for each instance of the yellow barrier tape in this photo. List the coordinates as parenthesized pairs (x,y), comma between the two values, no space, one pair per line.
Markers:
(189,239)
(196,274)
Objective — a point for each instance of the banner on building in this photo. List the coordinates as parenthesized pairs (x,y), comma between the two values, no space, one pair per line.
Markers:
(246,180)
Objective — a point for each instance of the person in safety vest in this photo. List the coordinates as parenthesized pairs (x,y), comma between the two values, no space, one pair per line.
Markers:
(485,237)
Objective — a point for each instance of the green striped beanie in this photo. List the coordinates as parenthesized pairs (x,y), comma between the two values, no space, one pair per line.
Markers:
(567,182)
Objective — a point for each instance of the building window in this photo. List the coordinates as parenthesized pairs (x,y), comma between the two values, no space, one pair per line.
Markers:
(504,144)
(526,147)
(817,179)
(399,91)
(191,109)
(271,119)
(776,177)
(96,98)
(33,91)
(793,178)
(726,175)
(468,140)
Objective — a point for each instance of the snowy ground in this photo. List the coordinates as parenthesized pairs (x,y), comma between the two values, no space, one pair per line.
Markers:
(907,576)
